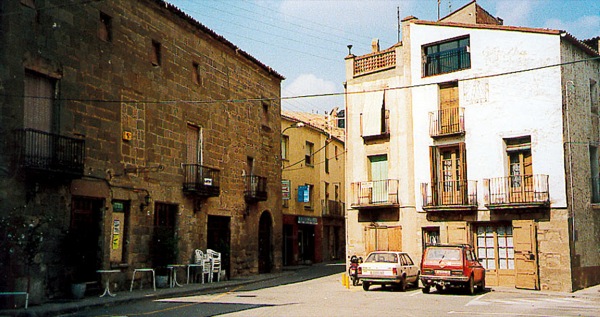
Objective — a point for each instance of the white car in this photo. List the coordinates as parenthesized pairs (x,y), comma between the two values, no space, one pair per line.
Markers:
(388,268)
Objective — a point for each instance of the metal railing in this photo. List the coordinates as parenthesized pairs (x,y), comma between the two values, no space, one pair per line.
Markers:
(50,152)
(517,189)
(449,193)
(447,61)
(380,192)
(256,188)
(332,208)
(447,121)
(201,180)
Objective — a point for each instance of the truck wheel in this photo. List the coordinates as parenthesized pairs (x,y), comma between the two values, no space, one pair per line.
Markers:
(365,285)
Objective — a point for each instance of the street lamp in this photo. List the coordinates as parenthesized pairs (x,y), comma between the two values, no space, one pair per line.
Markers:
(295,125)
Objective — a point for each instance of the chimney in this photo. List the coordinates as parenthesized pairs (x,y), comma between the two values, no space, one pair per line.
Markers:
(375,45)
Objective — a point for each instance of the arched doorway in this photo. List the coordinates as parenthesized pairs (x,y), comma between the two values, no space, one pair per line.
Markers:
(264,243)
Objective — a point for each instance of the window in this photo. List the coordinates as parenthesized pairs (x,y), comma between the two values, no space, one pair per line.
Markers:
(595,170)
(448,174)
(326,158)
(449,116)
(495,247)
(374,118)
(520,169)
(194,144)
(38,102)
(196,73)
(336,192)
(445,57)
(265,110)
(309,156)
(105,28)
(310,204)
(593,96)
(285,141)
(155,56)
(335,148)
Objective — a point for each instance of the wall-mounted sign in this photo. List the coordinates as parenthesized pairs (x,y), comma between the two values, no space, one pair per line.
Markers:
(208,182)
(118,206)
(307,220)
(285,189)
(303,194)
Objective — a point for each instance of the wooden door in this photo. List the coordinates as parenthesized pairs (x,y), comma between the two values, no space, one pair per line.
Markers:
(383,239)
(457,233)
(526,264)
(521,179)
(450,185)
(379,175)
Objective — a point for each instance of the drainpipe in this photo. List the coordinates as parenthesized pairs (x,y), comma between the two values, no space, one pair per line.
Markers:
(572,210)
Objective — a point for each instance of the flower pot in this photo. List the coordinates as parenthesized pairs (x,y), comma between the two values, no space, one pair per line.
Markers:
(78,290)
(162,281)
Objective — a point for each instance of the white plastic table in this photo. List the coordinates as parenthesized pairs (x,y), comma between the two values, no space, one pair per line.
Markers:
(143,270)
(107,288)
(173,274)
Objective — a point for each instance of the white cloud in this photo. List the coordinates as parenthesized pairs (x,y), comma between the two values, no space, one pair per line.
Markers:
(311,85)
(584,27)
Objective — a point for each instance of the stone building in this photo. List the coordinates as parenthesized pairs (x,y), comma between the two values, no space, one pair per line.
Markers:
(313,160)
(470,131)
(131,135)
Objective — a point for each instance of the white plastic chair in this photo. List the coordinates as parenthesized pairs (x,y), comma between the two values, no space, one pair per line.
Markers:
(202,260)
(216,263)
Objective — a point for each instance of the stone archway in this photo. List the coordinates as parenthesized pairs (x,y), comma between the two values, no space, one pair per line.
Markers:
(265,245)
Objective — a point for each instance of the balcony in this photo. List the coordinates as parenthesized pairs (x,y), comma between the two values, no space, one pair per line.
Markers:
(447,122)
(332,208)
(375,194)
(50,153)
(256,188)
(450,196)
(201,181)
(519,191)
(375,62)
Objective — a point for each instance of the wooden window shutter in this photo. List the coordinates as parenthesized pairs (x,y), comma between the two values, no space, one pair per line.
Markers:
(462,152)
(433,168)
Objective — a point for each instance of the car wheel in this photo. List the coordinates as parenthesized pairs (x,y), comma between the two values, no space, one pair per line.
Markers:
(471,286)
(426,289)
(366,285)
(482,285)
(402,285)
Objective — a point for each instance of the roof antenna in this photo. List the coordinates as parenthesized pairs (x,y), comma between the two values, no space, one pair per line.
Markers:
(438,9)
(398,24)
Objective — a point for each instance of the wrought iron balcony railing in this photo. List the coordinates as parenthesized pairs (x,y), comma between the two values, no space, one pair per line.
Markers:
(517,191)
(450,195)
(381,193)
(332,208)
(447,122)
(201,180)
(256,188)
(50,152)
(447,61)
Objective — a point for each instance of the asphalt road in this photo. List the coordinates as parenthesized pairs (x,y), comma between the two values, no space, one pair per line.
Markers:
(317,291)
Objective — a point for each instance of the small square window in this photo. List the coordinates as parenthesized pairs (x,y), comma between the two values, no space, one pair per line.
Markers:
(155,56)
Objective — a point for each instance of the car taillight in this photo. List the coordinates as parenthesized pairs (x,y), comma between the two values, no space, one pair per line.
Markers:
(359,270)
(395,271)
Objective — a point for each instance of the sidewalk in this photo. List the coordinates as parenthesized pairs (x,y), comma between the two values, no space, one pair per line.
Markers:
(66,306)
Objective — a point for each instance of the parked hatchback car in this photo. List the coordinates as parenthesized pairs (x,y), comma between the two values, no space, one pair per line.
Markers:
(388,268)
(445,266)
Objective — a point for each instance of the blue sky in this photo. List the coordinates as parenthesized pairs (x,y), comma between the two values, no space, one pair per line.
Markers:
(305,40)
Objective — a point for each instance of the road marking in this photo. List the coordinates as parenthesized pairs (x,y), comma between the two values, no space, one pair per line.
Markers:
(415,293)
(475,301)
(501,314)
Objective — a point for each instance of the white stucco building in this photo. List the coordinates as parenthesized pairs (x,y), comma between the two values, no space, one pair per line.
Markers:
(469,131)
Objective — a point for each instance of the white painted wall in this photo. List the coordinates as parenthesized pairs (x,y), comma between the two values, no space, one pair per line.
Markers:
(496,107)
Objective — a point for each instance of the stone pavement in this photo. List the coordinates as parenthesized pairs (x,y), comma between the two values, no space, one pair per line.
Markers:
(54,308)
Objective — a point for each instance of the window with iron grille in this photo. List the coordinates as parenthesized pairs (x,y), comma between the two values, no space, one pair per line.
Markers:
(446,57)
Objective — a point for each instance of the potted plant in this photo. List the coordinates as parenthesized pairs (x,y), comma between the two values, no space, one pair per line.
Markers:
(79,257)
(164,250)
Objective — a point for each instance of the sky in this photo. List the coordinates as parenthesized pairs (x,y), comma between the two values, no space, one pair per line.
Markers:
(306,40)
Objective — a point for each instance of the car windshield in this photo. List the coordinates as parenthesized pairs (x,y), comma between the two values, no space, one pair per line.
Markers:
(443,254)
(382,257)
